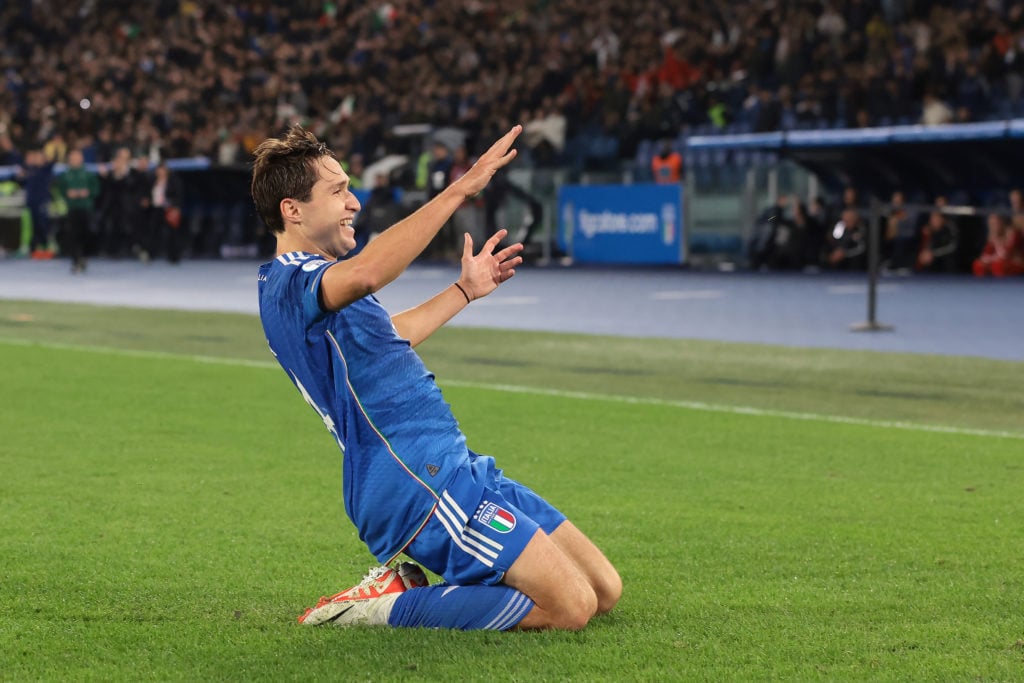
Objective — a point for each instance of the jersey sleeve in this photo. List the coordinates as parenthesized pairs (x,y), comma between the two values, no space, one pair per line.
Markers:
(305,285)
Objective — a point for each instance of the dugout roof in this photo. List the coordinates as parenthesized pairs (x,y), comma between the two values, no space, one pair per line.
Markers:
(971,158)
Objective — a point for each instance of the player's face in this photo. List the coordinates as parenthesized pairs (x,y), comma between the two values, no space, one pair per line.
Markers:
(330,211)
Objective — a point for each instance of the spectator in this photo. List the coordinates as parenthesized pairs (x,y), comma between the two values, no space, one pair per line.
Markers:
(846,244)
(56,149)
(667,165)
(901,238)
(767,111)
(440,168)
(380,211)
(544,133)
(780,234)
(355,169)
(117,202)
(468,217)
(139,211)
(972,94)
(460,164)
(792,236)
(935,112)
(164,213)
(497,196)
(831,23)
(847,202)
(937,247)
(80,188)
(761,251)
(1004,251)
(438,176)
(36,176)
(814,235)
(9,155)
(1017,210)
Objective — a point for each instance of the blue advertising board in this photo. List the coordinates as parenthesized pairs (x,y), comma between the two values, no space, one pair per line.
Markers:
(624,224)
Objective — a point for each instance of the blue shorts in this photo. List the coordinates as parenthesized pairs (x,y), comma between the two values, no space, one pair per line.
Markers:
(481,525)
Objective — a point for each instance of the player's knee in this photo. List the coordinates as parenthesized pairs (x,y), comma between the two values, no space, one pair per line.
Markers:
(577,613)
(608,591)
(578,623)
(571,613)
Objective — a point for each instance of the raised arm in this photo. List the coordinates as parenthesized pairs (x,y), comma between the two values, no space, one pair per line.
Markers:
(386,257)
(481,275)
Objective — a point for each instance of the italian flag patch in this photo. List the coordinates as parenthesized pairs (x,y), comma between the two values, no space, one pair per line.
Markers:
(496,517)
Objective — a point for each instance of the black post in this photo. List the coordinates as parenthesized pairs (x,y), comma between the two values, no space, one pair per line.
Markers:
(874,249)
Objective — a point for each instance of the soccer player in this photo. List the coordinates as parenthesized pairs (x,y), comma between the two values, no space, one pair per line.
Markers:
(410,484)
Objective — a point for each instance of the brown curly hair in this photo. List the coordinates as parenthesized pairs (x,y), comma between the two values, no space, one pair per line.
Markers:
(284,168)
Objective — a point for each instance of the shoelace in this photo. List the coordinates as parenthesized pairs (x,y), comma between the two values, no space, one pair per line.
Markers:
(374,574)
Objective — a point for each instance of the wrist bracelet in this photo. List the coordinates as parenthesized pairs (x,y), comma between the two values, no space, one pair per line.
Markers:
(468,300)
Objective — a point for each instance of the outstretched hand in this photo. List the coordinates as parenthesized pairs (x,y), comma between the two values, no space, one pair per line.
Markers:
(483,272)
(498,156)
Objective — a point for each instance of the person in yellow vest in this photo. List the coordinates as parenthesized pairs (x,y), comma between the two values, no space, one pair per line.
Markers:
(12,217)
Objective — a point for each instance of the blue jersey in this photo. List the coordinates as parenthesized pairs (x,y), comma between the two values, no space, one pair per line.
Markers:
(400,441)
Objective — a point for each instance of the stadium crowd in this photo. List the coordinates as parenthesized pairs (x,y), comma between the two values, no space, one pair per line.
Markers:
(591,80)
(588,78)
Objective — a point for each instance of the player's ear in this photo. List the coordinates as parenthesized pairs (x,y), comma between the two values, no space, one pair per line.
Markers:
(291,212)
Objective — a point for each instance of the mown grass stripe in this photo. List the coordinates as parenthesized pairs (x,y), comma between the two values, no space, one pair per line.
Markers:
(739,410)
(558,393)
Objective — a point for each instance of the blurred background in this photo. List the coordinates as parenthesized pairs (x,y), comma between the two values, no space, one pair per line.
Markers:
(766,135)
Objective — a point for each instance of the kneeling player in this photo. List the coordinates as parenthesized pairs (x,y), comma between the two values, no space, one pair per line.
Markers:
(509,559)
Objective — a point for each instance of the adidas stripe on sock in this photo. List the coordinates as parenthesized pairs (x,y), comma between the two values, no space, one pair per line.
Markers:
(466,608)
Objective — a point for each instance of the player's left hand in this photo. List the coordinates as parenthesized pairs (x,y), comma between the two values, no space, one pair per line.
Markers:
(483,272)
(498,156)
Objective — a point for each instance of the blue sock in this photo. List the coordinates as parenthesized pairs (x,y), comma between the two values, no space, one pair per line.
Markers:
(466,608)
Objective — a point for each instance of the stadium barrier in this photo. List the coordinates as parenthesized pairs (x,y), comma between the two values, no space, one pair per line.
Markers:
(622,224)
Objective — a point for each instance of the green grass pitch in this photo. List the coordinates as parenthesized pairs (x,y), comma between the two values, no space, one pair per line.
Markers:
(169,505)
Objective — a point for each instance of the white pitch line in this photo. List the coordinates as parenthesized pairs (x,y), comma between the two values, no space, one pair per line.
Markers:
(557,393)
(843,290)
(508,301)
(688,294)
(140,353)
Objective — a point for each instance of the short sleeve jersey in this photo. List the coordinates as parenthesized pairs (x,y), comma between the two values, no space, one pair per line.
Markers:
(400,441)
